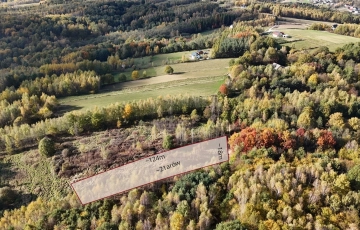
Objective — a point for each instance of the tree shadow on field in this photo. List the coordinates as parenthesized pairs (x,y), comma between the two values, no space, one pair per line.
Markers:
(62,109)
(120,85)
(291,41)
(5,172)
(178,73)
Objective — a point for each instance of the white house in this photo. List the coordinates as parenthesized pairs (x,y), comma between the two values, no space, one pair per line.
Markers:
(278,34)
(195,56)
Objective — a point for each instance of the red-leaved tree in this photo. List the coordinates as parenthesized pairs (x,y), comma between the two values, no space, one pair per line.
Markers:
(266,138)
(326,140)
(286,140)
(223,89)
(246,138)
(300,136)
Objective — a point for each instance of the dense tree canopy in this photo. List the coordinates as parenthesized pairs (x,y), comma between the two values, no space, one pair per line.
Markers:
(293,125)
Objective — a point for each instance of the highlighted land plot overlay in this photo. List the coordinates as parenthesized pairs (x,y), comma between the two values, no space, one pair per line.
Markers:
(151,169)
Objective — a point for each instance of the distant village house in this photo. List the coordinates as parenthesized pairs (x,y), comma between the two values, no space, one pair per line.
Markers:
(198,55)
(278,34)
(195,56)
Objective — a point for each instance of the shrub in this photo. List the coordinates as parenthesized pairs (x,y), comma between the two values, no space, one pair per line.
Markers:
(194,116)
(207,112)
(122,77)
(104,153)
(7,196)
(169,70)
(167,142)
(46,147)
(135,74)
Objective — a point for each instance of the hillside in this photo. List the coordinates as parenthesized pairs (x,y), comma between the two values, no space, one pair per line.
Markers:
(86,88)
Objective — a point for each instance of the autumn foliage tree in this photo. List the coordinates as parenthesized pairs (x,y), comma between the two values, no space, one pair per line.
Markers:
(267,138)
(135,75)
(177,221)
(223,89)
(286,140)
(313,80)
(336,121)
(127,111)
(305,119)
(245,138)
(326,140)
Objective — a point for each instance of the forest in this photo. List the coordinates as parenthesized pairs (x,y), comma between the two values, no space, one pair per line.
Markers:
(30,41)
(293,127)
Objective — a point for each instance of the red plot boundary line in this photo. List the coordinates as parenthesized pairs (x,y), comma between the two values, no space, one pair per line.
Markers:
(227,150)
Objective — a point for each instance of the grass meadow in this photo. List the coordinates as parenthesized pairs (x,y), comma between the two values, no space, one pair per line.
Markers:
(197,87)
(311,39)
(198,78)
(155,65)
(34,175)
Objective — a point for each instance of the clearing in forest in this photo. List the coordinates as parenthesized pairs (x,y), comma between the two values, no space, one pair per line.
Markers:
(204,86)
(200,78)
(311,39)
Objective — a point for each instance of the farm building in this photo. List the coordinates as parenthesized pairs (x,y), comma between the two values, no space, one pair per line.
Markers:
(195,56)
(278,34)
(199,55)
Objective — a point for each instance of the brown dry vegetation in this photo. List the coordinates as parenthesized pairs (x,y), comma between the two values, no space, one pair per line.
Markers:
(84,156)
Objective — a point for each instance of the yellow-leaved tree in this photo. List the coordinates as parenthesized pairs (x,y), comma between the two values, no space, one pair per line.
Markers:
(127,111)
(313,80)
(135,75)
(177,221)
(336,121)
(354,123)
(305,119)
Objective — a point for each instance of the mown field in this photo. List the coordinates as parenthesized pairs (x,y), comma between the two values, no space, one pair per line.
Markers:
(198,78)
(310,39)
(198,87)
(155,65)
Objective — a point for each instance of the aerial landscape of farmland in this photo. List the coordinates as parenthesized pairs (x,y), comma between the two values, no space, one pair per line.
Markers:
(179,114)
